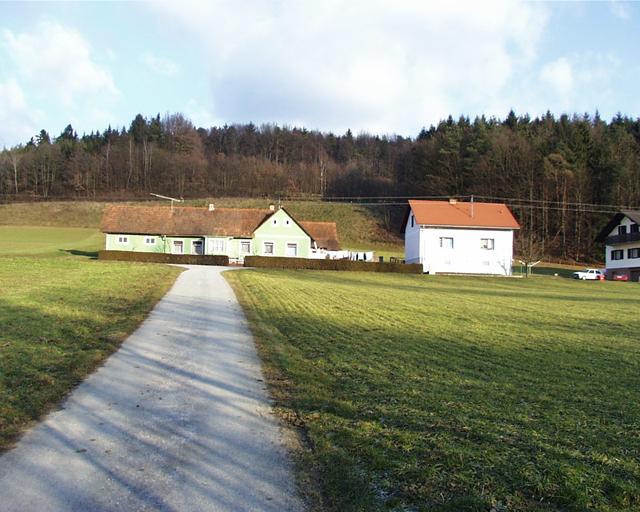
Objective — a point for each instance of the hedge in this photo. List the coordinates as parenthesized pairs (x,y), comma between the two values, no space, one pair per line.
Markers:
(158,257)
(307,264)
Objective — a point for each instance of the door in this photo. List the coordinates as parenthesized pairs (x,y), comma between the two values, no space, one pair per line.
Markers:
(178,247)
(198,247)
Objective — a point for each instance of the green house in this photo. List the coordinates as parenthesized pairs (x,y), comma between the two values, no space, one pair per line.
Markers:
(235,232)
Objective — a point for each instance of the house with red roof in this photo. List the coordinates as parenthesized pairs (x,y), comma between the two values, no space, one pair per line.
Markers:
(460,237)
(234,232)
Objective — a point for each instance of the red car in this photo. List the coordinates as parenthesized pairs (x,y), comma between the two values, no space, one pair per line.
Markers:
(620,277)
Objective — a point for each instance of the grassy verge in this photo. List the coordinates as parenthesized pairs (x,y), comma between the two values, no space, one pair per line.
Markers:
(32,240)
(60,318)
(454,393)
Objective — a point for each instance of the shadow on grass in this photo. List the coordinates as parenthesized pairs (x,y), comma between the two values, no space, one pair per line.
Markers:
(76,252)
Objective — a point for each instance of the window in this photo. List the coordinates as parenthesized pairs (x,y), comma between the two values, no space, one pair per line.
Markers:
(412,220)
(178,247)
(622,230)
(287,222)
(487,243)
(617,254)
(633,228)
(446,242)
(217,246)
(274,222)
(149,240)
(123,239)
(245,247)
(292,250)
(633,253)
(267,250)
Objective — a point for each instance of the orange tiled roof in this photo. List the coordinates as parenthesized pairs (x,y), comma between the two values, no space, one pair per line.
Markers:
(463,214)
(325,234)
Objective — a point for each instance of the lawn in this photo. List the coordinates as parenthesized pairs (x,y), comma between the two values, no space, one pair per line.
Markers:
(455,393)
(60,317)
(23,240)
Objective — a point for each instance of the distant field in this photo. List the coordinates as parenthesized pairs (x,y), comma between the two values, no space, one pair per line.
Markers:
(359,227)
(454,393)
(60,317)
(31,240)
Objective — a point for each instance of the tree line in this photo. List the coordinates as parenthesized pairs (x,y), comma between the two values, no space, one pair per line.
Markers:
(552,170)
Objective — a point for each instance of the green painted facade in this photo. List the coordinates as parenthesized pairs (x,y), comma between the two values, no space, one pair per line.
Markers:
(279,235)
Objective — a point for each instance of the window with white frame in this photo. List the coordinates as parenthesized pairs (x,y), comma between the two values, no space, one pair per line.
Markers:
(634,253)
(150,240)
(446,242)
(617,254)
(178,247)
(287,222)
(217,245)
(123,239)
(267,249)
(245,247)
(274,222)
(292,250)
(487,244)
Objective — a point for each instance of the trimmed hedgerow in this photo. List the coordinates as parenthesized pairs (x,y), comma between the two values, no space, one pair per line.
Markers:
(157,257)
(308,264)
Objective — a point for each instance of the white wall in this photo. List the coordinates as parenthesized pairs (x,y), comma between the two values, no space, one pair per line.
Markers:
(625,262)
(466,257)
(412,241)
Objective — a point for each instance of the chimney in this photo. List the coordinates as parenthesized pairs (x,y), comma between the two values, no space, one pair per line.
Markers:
(453,201)
(211,207)
(272,207)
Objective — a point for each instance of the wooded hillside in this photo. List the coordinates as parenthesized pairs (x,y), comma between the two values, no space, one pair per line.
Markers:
(562,176)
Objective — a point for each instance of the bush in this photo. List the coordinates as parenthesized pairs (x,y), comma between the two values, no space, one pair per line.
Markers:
(158,257)
(303,263)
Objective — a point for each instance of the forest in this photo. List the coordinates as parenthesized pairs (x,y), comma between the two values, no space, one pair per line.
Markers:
(562,176)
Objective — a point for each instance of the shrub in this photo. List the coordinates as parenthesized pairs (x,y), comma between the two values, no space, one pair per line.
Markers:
(306,264)
(157,257)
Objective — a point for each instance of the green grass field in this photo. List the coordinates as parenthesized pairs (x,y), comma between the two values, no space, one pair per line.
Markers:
(32,240)
(454,393)
(62,314)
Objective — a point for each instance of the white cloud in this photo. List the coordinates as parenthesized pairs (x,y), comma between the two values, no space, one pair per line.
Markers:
(559,75)
(58,61)
(374,65)
(160,65)
(620,9)
(17,121)
(580,82)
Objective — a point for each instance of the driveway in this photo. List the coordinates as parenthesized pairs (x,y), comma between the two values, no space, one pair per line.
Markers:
(177,420)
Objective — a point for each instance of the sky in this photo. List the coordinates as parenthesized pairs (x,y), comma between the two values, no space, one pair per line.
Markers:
(384,67)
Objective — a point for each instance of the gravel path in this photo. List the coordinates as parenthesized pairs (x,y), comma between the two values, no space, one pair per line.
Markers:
(177,420)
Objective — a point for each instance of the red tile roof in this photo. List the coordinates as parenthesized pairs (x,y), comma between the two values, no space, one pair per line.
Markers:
(182,221)
(325,234)
(463,214)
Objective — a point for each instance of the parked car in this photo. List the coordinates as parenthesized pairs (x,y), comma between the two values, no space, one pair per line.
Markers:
(620,277)
(589,274)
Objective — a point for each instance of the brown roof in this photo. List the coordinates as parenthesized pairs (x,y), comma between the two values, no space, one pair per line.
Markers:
(463,214)
(182,221)
(325,234)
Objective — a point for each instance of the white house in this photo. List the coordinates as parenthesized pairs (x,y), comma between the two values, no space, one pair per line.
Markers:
(622,246)
(460,237)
